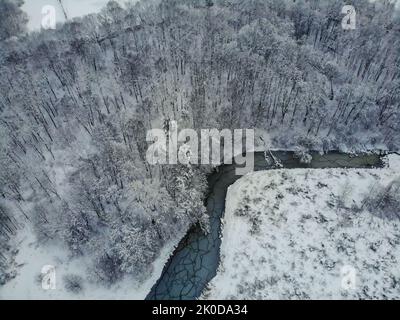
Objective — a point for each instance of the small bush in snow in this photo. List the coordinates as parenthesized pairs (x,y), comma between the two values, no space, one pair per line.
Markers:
(385,201)
(73,283)
(304,156)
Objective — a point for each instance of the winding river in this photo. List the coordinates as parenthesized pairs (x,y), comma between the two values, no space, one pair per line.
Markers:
(195,261)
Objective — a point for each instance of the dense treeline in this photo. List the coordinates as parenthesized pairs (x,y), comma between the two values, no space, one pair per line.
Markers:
(75,104)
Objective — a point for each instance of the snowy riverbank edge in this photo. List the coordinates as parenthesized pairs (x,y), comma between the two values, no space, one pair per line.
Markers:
(289,234)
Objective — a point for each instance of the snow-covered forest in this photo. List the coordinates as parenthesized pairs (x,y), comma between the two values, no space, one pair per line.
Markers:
(76,103)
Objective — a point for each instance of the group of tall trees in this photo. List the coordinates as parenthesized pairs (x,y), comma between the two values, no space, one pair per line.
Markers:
(76,102)
(12,19)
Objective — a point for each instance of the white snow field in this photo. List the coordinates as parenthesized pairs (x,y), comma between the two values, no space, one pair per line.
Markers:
(299,234)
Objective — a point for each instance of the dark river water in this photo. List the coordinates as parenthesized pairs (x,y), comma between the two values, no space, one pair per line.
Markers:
(195,261)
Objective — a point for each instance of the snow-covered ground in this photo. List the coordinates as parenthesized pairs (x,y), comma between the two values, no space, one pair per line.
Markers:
(304,234)
(32,257)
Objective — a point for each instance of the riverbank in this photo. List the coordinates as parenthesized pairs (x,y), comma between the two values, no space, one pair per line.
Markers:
(196,260)
(291,234)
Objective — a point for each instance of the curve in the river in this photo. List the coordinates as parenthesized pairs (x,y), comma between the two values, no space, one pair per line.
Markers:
(196,259)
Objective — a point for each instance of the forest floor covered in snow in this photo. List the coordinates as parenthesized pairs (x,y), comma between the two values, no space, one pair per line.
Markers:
(307,233)
(73,279)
